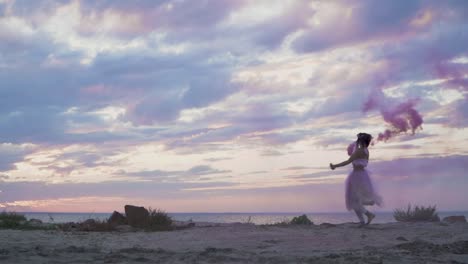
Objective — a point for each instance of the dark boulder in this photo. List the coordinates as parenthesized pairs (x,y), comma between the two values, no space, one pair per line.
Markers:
(137,216)
(455,219)
(117,219)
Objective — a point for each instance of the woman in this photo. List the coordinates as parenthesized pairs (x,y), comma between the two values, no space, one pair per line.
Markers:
(359,189)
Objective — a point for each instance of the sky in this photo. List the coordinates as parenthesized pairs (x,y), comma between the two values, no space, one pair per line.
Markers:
(230,105)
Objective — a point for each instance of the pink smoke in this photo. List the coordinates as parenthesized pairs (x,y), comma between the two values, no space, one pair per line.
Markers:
(401,117)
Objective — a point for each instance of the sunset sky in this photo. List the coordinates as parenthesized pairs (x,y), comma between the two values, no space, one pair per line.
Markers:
(230,105)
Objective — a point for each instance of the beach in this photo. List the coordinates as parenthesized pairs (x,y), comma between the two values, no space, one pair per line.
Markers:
(435,242)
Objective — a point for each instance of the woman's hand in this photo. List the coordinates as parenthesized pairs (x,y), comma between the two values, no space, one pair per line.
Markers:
(332,166)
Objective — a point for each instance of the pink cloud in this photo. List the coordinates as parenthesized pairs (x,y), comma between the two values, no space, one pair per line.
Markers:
(114,22)
(97,89)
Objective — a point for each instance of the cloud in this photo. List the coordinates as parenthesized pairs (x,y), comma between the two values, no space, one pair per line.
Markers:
(417,170)
(459,118)
(422,180)
(177,175)
(422,51)
(272,153)
(294,168)
(387,175)
(218,159)
(13,153)
(153,99)
(17,191)
(91,89)
(314,175)
(401,146)
(355,22)
(155,87)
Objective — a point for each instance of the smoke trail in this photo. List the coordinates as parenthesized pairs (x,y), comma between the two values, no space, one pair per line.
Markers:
(401,117)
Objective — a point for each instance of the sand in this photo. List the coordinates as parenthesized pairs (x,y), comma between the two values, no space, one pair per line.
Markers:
(245,243)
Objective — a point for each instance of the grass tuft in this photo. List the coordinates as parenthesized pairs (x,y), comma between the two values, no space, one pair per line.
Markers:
(159,220)
(297,220)
(301,220)
(12,216)
(11,220)
(416,214)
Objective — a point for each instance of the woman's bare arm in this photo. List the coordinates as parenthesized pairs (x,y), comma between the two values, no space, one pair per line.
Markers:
(344,163)
(358,154)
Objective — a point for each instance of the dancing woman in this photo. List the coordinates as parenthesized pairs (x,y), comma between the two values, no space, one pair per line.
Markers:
(359,189)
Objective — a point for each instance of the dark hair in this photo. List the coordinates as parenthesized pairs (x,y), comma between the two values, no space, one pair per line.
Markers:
(363,139)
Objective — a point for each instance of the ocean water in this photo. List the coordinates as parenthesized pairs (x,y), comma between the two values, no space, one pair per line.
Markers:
(256,218)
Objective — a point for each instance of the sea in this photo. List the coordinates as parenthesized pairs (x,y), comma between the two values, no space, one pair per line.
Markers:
(255,218)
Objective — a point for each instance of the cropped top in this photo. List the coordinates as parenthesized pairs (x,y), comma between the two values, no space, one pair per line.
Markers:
(361,163)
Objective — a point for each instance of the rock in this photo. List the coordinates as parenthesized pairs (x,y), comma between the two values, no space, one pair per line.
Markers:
(136,216)
(455,219)
(89,222)
(124,228)
(117,219)
(400,238)
(70,226)
(35,222)
(88,225)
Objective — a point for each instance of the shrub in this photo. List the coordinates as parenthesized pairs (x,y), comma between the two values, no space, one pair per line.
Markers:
(90,225)
(283,223)
(12,216)
(96,226)
(416,214)
(301,220)
(11,220)
(159,220)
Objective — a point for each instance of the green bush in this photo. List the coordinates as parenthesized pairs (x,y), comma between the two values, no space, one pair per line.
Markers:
(159,220)
(416,214)
(12,216)
(11,220)
(301,220)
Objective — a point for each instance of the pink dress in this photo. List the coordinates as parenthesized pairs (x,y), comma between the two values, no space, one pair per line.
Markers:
(359,188)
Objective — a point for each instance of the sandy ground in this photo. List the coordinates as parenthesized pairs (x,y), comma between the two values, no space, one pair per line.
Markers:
(245,243)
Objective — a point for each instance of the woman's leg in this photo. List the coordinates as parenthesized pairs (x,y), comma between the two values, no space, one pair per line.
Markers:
(370,216)
(360,211)
(360,216)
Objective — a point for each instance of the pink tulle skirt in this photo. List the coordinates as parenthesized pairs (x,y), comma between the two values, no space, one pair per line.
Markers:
(360,190)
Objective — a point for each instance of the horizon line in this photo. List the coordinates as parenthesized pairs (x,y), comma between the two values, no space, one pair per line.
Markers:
(273,212)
